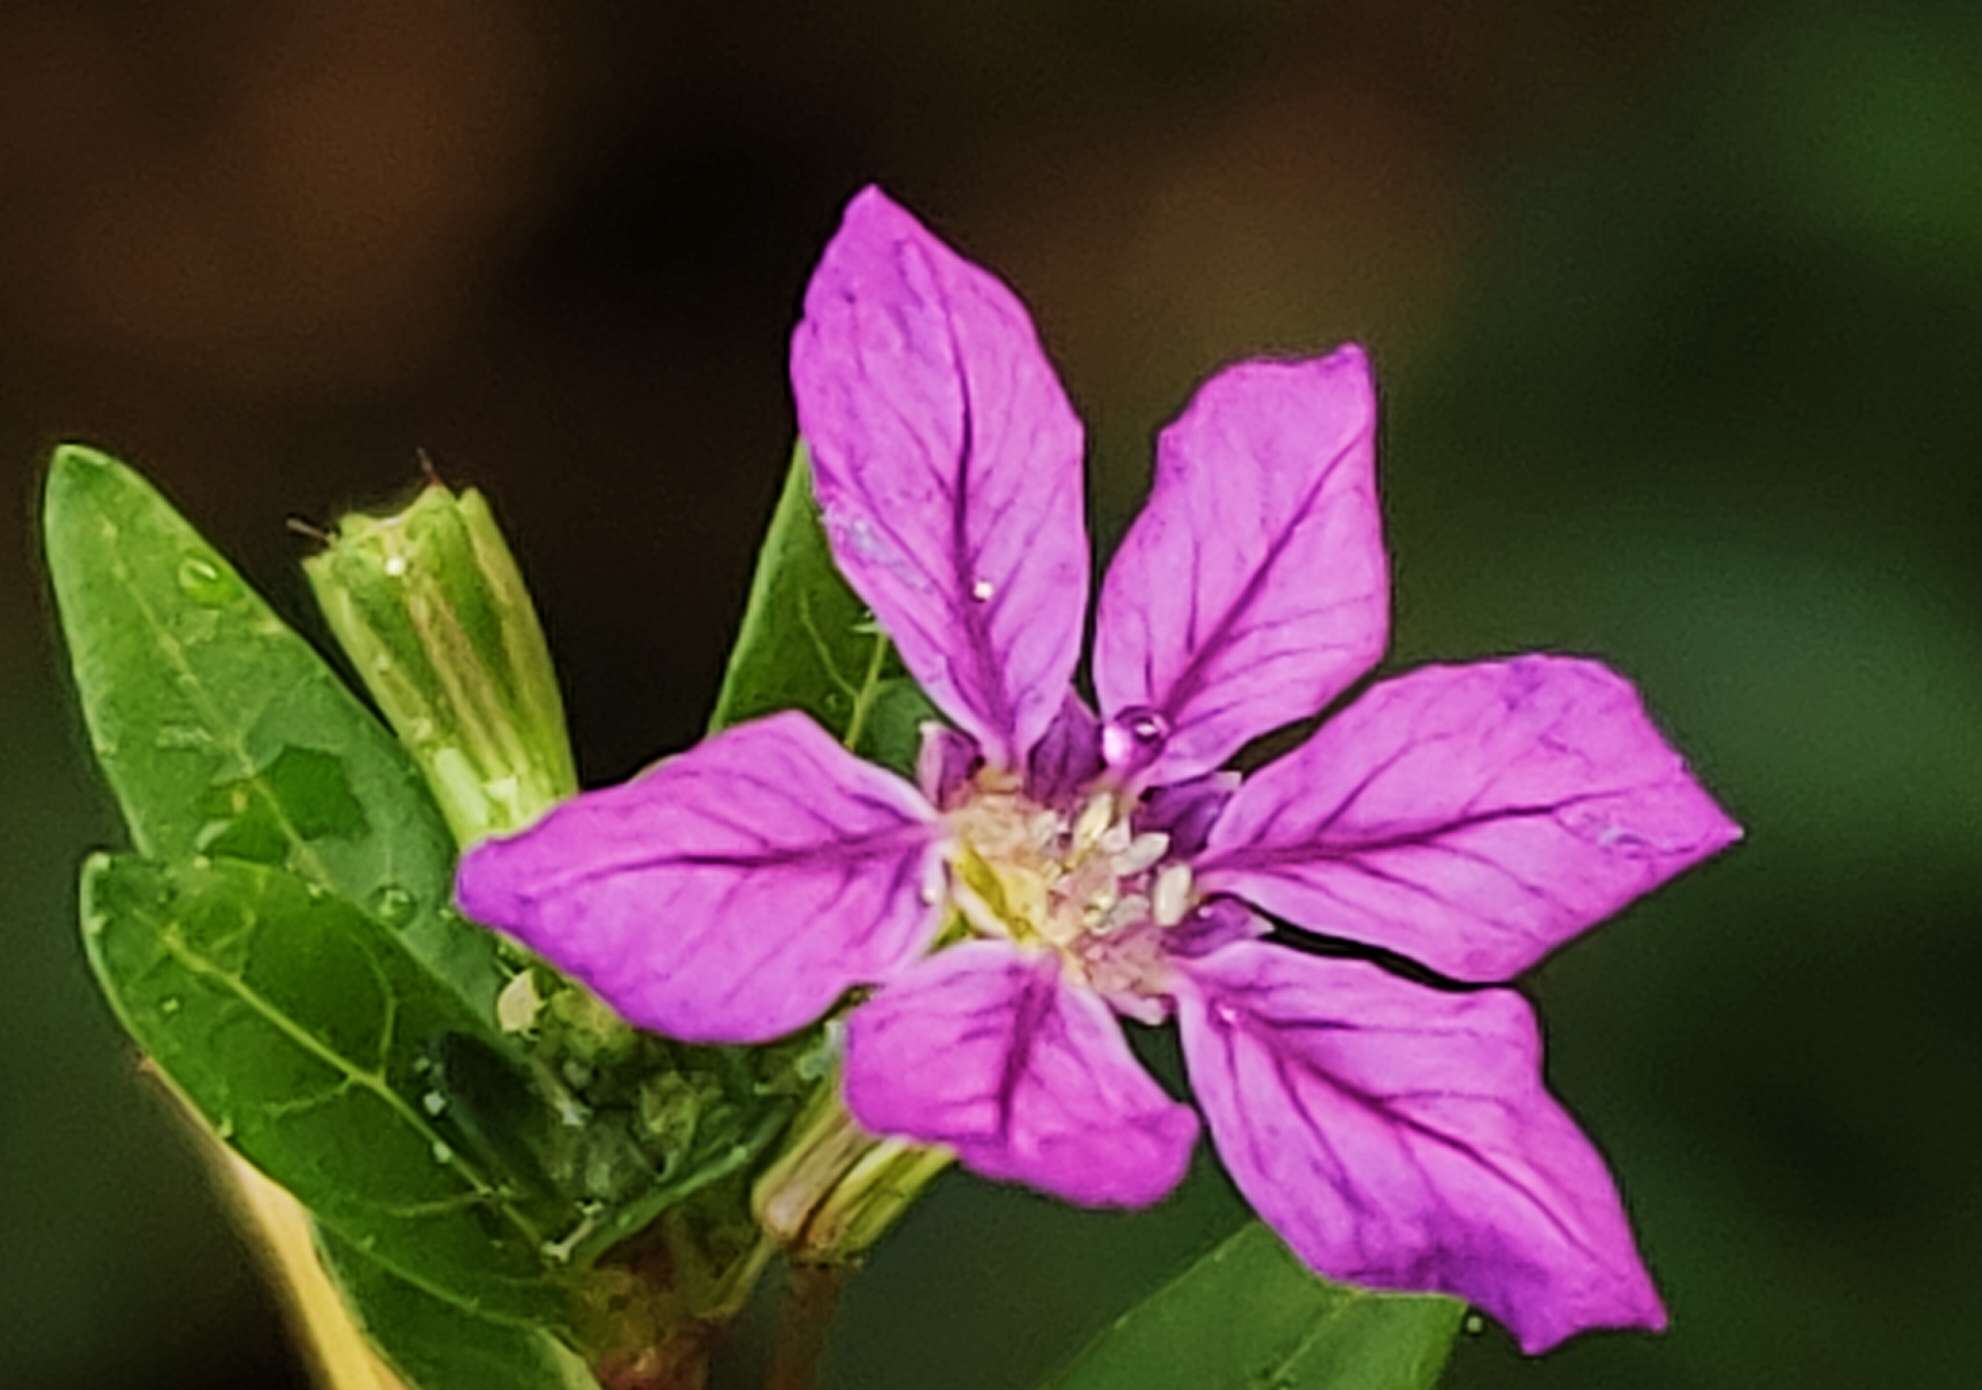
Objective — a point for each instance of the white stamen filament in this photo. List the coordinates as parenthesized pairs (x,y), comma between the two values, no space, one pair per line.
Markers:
(1093,822)
(1126,913)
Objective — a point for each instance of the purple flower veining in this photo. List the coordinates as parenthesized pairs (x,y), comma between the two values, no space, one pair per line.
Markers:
(1469,817)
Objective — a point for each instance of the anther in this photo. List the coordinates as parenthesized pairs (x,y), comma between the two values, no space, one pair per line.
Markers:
(1141,852)
(1170,896)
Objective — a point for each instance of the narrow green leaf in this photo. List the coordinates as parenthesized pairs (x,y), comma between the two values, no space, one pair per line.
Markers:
(1247,1315)
(808,643)
(223,733)
(308,1038)
(436,1345)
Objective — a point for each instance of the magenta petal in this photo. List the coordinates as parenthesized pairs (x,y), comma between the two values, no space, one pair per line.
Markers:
(944,763)
(1253,588)
(1067,758)
(1400,1137)
(1186,811)
(730,894)
(947,464)
(992,1053)
(1470,817)
(1212,926)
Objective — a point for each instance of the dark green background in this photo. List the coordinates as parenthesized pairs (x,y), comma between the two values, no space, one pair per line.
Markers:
(1678,312)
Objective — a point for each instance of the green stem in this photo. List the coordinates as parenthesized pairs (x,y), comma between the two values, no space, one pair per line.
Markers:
(863,700)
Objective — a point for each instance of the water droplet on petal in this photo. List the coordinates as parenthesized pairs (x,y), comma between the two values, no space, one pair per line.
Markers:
(392,905)
(1132,739)
(204,582)
(982,590)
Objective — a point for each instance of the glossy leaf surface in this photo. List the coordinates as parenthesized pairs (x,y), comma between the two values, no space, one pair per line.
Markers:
(808,643)
(436,1345)
(1247,1315)
(308,1038)
(225,734)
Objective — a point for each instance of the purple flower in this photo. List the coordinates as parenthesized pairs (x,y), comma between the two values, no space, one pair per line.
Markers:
(1468,817)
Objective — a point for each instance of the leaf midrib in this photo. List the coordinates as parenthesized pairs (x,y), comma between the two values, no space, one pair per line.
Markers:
(229,740)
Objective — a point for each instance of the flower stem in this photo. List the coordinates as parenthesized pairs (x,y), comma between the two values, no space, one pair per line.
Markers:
(835,1189)
(805,1321)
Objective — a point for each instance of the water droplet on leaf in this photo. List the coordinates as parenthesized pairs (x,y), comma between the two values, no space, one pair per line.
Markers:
(204,582)
(441,1152)
(168,1006)
(392,905)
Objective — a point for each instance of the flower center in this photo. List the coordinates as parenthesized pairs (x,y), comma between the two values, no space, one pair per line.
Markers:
(1081,881)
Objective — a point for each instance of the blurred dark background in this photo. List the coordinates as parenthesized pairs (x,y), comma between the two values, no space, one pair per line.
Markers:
(1679,314)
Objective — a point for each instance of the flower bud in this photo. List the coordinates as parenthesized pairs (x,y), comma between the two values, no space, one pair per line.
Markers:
(431,609)
(834,1189)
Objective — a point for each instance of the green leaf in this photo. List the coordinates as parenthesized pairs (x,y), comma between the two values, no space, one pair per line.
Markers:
(808,643)
(223,733)
(436,1345)
(308,1038)
(1247,1315)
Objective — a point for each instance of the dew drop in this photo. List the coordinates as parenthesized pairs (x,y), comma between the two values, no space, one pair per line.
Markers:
(204,582)
(395,566)
(392,905)
(1474,1324)
(1133,738)
(441,1152)
(433,1102)
(982,590)
(169,1006)
(224,1127)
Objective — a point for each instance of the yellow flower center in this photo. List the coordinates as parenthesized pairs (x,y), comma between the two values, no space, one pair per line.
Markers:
(1079,882)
